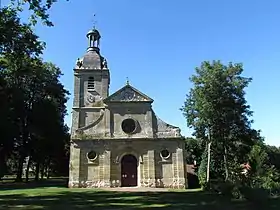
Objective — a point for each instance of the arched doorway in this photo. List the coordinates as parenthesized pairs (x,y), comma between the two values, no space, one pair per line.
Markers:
(129,171)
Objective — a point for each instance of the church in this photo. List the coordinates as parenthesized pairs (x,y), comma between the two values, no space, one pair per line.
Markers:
(117,140)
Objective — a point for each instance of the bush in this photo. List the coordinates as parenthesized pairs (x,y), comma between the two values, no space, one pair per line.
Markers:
(202,170)
(257,196)
(3,169)
(226,188)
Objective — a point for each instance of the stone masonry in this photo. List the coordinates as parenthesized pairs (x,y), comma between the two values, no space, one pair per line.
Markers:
(118,140)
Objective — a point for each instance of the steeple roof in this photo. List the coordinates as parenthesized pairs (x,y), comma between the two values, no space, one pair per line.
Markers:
(92,60)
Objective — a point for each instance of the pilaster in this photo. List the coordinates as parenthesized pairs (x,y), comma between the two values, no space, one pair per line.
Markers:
(75,121)
(149,127)
(105,83)
(107,123)
(151,168)
(107,168)
(83,175)
(101,167)
(74,166)
(181,179)
(77,92)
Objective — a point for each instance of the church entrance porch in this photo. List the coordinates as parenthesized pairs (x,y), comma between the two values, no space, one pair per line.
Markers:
(129,171)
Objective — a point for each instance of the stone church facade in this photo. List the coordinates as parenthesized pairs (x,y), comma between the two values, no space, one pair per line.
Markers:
(117,140)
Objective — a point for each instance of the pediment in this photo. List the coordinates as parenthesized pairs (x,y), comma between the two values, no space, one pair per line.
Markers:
(128,94)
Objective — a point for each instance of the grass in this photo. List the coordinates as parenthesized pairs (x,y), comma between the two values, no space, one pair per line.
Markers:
(54,195)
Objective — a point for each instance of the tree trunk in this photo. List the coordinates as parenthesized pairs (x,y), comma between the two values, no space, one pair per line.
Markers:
(23,149)
(48,173)
(20,168)
(37,171)
(48,167)
(42,172)
(27,170)
(3,166)
(225,163)
(208,162)
(208,155)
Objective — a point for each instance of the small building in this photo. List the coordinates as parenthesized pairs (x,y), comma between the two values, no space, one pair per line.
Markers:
(117,140)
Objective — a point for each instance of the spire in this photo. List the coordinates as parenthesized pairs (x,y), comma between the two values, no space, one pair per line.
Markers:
(93,37)
(94,21)
(92,60)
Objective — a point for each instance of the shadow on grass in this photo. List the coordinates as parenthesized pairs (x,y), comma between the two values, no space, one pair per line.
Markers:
(122,200)
(44,197)
(32,184)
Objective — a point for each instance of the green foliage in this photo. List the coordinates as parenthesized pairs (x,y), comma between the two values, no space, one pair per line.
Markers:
(262,175)
(274,156)
(16,38)
(217,100)
(202,170)
(258,159)
(258,196)
(260,181)
(217,110)
(34,101)
(258,184)
(39,9)
(194,150)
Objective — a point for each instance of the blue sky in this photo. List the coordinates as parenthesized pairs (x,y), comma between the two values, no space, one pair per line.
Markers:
(157,44)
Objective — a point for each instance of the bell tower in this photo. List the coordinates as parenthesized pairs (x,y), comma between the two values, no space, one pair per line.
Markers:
(91,82)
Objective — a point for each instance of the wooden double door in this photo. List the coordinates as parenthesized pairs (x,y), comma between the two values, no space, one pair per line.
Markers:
(129,171)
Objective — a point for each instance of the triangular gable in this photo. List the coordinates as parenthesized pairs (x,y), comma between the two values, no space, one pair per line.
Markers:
(128,94)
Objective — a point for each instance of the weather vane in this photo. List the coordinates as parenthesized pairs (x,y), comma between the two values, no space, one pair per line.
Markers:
(127,81)
(94,20)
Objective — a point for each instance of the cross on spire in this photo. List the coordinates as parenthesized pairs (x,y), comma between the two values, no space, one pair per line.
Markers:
(127,81)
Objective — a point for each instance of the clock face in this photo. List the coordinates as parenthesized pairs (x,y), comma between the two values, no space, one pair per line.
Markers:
(90,98)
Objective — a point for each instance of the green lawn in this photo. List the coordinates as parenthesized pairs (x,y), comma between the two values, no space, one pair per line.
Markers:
(44,196)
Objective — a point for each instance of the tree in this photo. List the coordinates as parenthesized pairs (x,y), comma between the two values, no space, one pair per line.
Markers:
(262,177)
(194,150)
(39,104)
(29,87)
(17,38)
(6,127)
(216,107)
(17,41)
(274,156)
(48,114)
(39,9)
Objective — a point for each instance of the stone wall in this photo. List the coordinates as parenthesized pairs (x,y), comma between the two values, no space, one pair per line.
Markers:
(105,170)
(141,112)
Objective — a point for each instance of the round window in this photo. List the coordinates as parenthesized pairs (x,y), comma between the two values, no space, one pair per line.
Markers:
(165,154)
(92,155)
(129,126)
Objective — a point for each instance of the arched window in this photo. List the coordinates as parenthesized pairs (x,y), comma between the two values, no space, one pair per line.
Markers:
(90,83)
